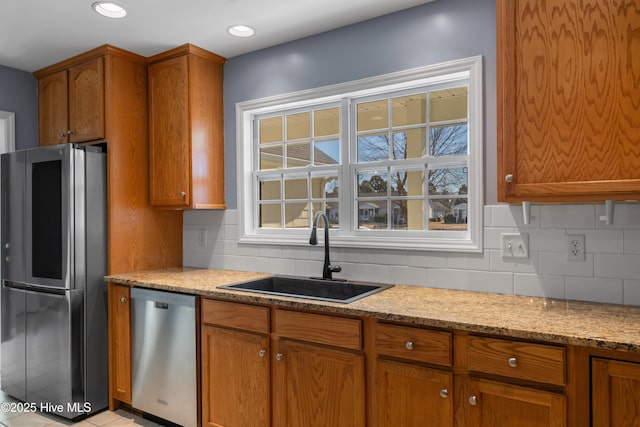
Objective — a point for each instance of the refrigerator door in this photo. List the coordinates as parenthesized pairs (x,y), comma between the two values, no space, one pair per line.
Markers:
(49,215)
(13,205)
(54,348)
(13,337)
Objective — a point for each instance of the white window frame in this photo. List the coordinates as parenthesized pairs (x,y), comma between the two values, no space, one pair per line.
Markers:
(468,70)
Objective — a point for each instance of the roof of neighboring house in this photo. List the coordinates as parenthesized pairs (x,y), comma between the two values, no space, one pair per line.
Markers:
(301,153)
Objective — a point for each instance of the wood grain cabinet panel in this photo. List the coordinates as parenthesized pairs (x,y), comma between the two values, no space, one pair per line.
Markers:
(71,103)
(568,110)
(615,393)
(186,156)
(417,344)
(120,342)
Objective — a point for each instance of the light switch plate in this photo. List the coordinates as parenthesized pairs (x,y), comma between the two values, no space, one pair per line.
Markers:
(515,245)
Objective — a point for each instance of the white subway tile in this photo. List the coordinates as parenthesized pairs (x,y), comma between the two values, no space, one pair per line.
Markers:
(515,265)
(547,240)
(365,272)
(202,217)
(246,249)
(625,215)
(486,215)
(402,275)
(617,266)
(632,241)
(466,261)
(195,259)
(539,286)
(270,251)
(567,216)
(556,264)
(229,247)
(232,262)
(230,232)
(308,268)
(482,281)
(512,216)
(603,241)
(427,259)
(448,279)
(231,216)
(295,252)
(632,292)
(594,289)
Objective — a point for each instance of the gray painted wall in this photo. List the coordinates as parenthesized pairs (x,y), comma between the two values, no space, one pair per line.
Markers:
(19,94)
(435,32)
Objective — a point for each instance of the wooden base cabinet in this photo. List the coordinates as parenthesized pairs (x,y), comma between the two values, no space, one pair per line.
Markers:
(410,395)
(495,404)
(615,393)
(120,342)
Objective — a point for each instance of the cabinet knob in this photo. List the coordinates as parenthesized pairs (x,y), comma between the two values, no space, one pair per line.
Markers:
(473,401)
(262,352)
(63,134)
(279,356)
(409,345)
(70,132)
(509,178)
(123,299)
(444,393)
(182,194)
(513,362)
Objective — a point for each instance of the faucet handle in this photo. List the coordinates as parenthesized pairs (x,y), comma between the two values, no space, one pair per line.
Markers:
(335,268)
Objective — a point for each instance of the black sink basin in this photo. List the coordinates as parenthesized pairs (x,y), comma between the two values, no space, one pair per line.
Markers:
(310,288)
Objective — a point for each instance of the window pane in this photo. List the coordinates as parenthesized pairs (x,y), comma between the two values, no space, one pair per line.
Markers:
(271,157)
(371,184)
(373,115)
(271,130)
(270,190)
(373,148)
(399,214)
(326,152)
(295,188)
(409,110)
(372,214)
(407,183)
(299,126)
(448,181)
(296,215)
(331,210)
(324,187)
(326,122)
(448,140)
(270,216)
(409,144)
(448,214)
(448,104)
(298,154)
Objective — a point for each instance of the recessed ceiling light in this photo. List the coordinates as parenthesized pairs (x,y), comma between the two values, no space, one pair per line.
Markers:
(109,9)
(241,31)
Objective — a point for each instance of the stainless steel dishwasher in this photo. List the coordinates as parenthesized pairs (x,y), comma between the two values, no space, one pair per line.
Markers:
(164,355)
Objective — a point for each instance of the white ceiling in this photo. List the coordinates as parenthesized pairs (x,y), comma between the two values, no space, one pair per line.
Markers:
(37,33)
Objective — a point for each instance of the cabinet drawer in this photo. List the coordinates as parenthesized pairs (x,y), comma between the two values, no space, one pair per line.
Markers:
(236,315)
(527,361)
(417,344)
(319,328)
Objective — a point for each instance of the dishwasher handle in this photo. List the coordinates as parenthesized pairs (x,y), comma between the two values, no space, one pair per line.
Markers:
(161,305)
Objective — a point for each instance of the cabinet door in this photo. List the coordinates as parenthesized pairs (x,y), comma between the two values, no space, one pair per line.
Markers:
(53,120)
(493,404)
(318,387)
(169,148)
(615,393)
(86,101)
(120,342)
(412,396)
(235,378)
(568,115)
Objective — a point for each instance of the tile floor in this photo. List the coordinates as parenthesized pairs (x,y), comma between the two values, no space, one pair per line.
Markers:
(106,418)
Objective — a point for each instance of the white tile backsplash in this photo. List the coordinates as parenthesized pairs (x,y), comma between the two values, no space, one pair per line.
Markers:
(610,272)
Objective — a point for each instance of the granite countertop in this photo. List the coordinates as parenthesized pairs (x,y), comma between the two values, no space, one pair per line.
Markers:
(609,326)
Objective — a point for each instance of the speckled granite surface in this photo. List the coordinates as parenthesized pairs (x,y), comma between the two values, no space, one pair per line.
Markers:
(608,326)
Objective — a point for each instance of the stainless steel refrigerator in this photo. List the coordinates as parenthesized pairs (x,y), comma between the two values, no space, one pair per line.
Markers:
(54,299)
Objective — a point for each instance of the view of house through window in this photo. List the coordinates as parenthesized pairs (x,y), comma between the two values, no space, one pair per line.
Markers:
(400,160)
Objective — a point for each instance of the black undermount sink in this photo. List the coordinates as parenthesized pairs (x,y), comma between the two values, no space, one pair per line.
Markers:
(311,288)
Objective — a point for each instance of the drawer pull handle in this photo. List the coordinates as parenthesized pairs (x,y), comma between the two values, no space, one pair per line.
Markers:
(473,401)
(513,362)
(279,356)
(444,393)
(262,353)
(409,345)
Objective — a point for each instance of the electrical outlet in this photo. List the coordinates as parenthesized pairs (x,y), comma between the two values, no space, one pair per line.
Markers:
(575,247)
(515,245)
(202,236)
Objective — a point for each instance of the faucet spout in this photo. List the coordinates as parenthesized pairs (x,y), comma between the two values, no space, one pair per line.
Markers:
(327,269)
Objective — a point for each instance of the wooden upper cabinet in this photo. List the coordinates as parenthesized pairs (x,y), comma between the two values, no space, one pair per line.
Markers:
(71,106)
(186,151)
(568,110)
